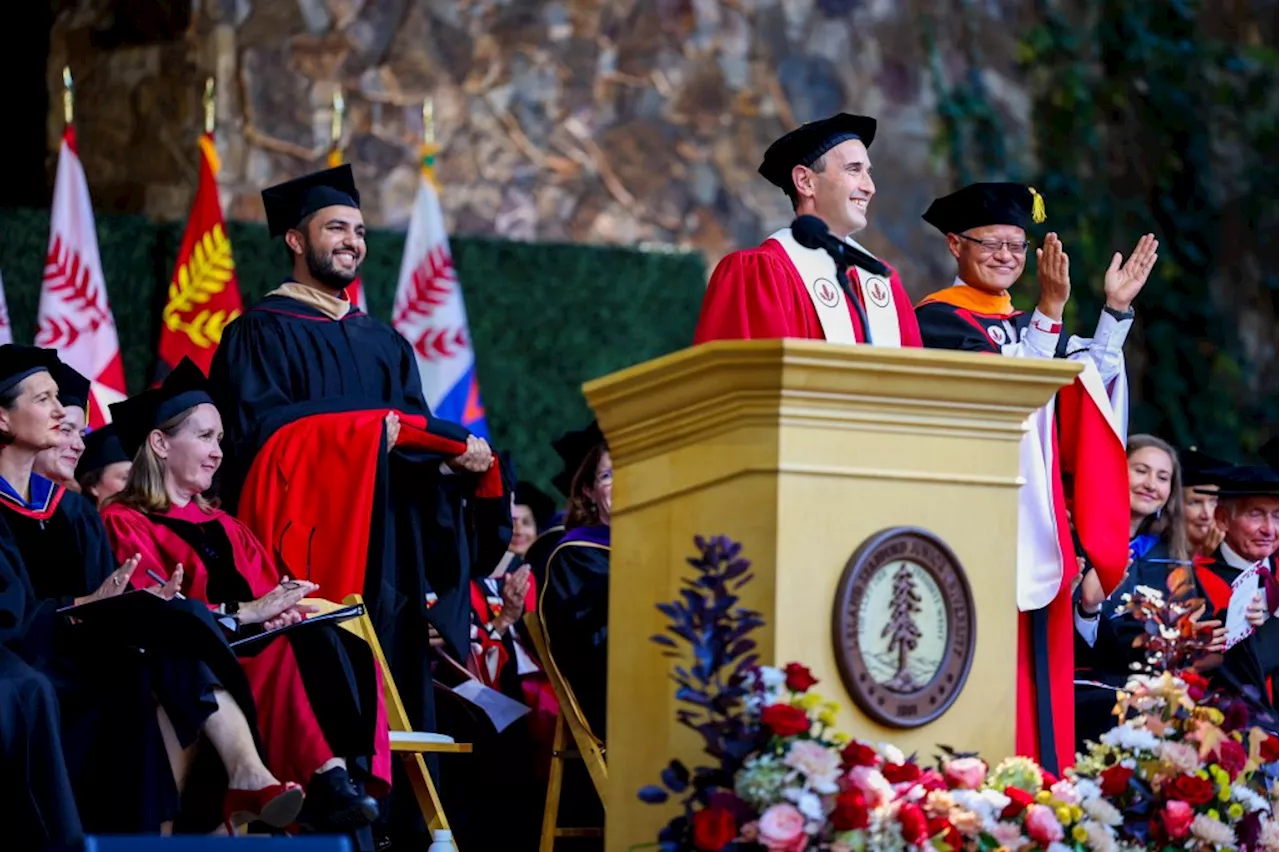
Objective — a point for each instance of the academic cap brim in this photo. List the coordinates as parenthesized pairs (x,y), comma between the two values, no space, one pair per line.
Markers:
(101,448)
(287,204)
(538,501)
(804,145)
(1200,469)
(73,388)
(185,387)
(18,361)
(572,447)
(1250,480)
(981,204)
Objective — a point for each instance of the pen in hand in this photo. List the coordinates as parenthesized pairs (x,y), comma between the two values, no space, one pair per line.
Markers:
(161,580)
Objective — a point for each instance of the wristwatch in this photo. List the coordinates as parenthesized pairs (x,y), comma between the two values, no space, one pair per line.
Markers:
(230,608)
(1087,616)
(1120,316)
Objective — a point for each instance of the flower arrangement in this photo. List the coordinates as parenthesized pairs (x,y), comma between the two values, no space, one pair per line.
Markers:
(1173,774)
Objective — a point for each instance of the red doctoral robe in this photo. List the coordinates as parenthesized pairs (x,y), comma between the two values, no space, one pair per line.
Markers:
(1082,481)
(292,736)
(758,294)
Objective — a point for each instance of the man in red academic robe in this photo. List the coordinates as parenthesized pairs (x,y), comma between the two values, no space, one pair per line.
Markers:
(782,289)
(1079,438)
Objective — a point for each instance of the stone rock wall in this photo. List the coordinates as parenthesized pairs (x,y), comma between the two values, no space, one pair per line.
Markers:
(637,122)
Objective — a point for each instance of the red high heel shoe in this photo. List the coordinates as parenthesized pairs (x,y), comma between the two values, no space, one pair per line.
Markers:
(277,806)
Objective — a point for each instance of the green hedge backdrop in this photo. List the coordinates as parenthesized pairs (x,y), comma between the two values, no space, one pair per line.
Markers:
(544,318)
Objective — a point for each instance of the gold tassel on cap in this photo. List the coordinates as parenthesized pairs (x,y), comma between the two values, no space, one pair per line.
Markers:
(1037,206)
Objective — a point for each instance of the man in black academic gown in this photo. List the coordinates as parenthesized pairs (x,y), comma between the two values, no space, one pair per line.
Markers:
(305,350)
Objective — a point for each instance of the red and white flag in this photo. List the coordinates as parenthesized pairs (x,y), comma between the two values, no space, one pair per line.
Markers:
(6,330)
(74,316)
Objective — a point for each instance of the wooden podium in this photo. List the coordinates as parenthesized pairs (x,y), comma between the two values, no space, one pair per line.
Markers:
(802,451)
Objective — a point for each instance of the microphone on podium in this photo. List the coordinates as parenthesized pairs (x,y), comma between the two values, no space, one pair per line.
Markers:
(812,233)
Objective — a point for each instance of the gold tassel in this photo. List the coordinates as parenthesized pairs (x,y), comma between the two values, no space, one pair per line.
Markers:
(1037,206)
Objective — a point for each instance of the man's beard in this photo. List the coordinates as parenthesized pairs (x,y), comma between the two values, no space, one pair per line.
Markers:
(322,269)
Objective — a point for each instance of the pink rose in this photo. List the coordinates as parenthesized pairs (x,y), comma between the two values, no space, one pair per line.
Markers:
(781,829)
(870,783)
(1042,825)
(1177,817)
(965,773)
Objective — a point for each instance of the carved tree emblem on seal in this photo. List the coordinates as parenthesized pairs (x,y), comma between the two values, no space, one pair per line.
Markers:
(901,631)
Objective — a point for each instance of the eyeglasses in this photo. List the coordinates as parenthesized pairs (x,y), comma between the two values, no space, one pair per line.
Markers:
(994,246)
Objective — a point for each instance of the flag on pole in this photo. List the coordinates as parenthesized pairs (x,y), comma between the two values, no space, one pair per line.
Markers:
(74,316)
(204,295)
(6,330)
(429,312)
(354,290)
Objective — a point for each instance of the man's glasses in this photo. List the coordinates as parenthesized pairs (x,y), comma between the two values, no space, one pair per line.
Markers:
(993,246)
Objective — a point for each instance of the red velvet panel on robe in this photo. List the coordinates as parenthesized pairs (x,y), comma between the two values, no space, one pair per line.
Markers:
(758,294)
(297,464)
(291,733)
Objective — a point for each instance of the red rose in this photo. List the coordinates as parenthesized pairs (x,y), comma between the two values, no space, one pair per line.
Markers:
(1047,778)
(900,773)
(1115,780)
(1190,789)
(1177,818)
(851,811)
(915,827)
(785,720)
(713,828)
(950,836)
(1019,801)
(1270,750)
(1197,685)
(1232,757)
(931,779)
(799,679)
(859,754)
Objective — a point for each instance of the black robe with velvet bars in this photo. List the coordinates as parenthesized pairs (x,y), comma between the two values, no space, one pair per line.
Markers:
(429,532)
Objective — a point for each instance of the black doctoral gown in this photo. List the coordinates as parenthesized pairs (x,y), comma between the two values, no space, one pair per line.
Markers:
(574,606)
(108,673)
(283,360)
(40,807)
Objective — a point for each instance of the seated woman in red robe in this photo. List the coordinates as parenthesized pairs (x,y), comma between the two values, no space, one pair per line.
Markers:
(317,688)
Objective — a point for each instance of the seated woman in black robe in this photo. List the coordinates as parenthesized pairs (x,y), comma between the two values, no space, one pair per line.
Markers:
(574,604)
(103,468)
(319,699)
(137,689)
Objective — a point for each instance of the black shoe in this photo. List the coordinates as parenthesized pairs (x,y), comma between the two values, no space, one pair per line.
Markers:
(335,804)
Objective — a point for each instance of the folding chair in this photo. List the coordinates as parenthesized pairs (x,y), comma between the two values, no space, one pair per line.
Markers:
(570,722)
(411,745)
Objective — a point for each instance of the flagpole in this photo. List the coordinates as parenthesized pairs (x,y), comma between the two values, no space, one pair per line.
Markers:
(429,149)
(68,95)
(210,104)
(335,128)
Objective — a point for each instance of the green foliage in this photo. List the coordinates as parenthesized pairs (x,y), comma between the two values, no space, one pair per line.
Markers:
(1160,117)
(544,318)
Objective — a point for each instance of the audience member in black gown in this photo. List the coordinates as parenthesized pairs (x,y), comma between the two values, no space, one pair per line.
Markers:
(137,688)
(574,603)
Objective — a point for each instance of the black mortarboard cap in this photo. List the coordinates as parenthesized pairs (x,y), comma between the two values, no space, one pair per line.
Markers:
(980,204)
(804,145)
(101,448)
(538,501)
(17,362)
(1199,469)
(288,203)
(73,388)
(185,387)
(1247,480)
(572,447)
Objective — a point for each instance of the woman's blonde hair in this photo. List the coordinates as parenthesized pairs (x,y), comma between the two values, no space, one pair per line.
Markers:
(144,489)
(582,510)
(1170,523)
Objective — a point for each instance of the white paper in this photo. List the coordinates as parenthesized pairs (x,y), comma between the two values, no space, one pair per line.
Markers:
(500,709)
(1243,590)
